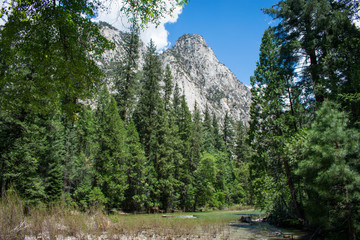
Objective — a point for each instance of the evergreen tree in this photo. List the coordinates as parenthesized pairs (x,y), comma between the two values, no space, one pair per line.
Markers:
(196,138)
(31,162)
(329,154)
(241,191)
(208,132)
(168,88)
(269,125)
(317,31)
(110,165)
(135,194)
(126,79)
(154,129)
(194,161)
(184,122)
(83,147)
(228,133)
(176,100)
(219,141)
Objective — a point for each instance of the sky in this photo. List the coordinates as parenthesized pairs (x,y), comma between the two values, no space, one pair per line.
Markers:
(232,28)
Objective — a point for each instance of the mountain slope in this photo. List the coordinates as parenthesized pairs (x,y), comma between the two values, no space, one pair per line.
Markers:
(205,80)
(198,73)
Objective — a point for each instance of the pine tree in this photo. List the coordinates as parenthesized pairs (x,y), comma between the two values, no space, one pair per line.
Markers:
(184,125)
(126,79)
(135,194)
(318,30)
(154,129)
(84,148)
(241,191)
(110,165)
(329,154)
(32,161)
(176,100)
(269,125)
(208,132)
(168,88)
(196,139)
(228,133)
(218,140)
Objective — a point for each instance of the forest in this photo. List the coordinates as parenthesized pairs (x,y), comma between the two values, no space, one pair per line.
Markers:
(132,144)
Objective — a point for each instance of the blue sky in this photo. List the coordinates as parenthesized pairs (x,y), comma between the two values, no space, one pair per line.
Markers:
(232,28)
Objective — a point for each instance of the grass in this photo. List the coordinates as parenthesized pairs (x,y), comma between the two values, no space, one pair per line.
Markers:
(54,221)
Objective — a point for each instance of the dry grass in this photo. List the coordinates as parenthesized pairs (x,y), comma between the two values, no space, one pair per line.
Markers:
(12,219)
(60,222)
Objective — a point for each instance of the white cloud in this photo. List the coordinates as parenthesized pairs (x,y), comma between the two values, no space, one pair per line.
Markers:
(357,22)
(159,35)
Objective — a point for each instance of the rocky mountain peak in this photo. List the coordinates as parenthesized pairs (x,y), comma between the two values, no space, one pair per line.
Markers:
(190,41)
(198,73)
(205,80)
(194,46)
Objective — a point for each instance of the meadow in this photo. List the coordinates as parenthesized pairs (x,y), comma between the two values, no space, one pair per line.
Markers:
(58,221)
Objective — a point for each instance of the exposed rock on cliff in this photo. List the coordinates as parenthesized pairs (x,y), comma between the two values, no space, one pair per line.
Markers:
(199,74)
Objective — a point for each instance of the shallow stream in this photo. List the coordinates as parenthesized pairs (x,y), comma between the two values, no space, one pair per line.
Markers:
(260,230)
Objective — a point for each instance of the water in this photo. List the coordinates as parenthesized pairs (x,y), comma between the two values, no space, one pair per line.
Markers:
(260,230)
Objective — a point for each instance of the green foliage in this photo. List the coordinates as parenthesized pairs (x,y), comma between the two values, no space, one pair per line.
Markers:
(205,177)
(168,88)
(208,132)
(45,56)
(273,119)
(156,134)
(31,162)
(96,198)
(328,39)
(329,154)
(150,11)
(110,165)
(126,77)
(135,194)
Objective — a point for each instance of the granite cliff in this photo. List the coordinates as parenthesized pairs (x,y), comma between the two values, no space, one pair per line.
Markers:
(198,73)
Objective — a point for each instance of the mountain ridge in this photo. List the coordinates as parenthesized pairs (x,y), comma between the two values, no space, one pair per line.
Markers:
(202,78)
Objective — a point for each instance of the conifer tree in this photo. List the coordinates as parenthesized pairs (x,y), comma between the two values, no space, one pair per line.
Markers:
(208,132)
(317,32)
(196,138)
(185,127)
(126,79)
(154,129)
(84,148)
(135,194)
(168,88)
(228,133)
(176,100)
(219,142)
(329,154)
(269,125)
(241,191)
(110,165)
(32,161)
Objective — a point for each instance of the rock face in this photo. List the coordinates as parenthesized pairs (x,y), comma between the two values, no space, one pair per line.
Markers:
(199,75)
(205,80)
